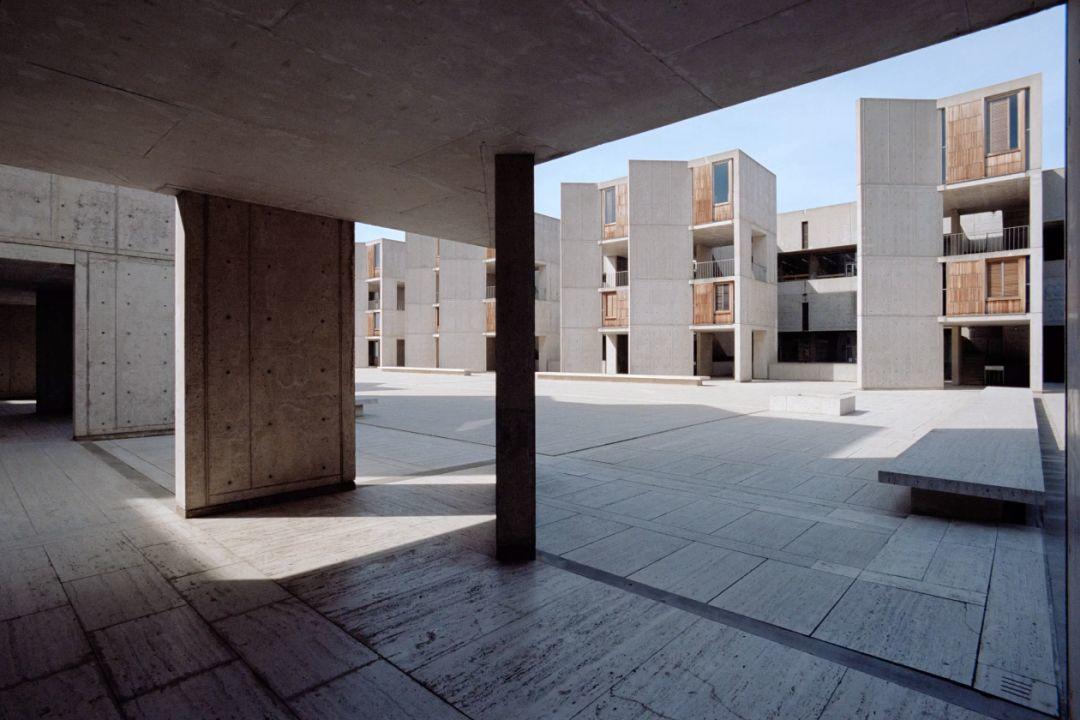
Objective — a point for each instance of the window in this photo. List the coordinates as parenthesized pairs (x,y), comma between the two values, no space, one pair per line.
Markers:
(721,182)
(401,296)
(805,316)
(378,255)
(1003,278)
(805,235)
(609,205)
(793,266)
(1002,125)
(722,297)
(378,320)
(611,310)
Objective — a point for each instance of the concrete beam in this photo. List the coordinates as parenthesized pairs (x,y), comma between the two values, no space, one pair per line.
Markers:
(515,381)
(264,378)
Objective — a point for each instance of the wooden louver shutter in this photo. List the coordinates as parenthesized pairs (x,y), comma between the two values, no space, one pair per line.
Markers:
(998,138)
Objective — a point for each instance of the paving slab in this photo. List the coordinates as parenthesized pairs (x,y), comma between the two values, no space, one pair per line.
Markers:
(626,552)
(565,535)
(204,695)
(838,544)
(713,671)
(863,696)
(704,516)
(789,596)
(651,504)
(229,590)
(153,651)
(293,647)
(113,597)
(32,646)
(697,571)
(379,691)
(961,566)
(74,694)
(928,633)
(765,529)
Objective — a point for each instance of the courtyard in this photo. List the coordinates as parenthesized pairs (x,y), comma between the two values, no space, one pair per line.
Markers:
(700,556)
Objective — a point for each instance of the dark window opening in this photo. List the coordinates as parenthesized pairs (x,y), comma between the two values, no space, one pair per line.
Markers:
(805,235)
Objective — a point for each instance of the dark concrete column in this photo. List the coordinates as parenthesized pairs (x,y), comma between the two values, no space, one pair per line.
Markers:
(515,379)
(1072,345)
(264,350)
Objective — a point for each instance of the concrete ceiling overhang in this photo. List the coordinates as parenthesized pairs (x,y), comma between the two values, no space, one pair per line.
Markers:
(390,112)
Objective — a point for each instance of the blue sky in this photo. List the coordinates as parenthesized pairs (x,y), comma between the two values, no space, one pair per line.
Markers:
(806,135)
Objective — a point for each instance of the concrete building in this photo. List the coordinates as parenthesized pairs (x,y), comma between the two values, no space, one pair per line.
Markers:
(671,270)
(451,318)
(967,309)
(86,301)
(380,303)
(817,293)
(868,293)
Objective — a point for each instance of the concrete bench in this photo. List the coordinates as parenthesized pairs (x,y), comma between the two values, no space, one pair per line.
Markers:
(810,404)
(361,402)
(983,462)
(624,378)
(428,371)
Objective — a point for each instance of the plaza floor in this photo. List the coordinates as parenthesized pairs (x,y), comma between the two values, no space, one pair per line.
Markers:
(700,557)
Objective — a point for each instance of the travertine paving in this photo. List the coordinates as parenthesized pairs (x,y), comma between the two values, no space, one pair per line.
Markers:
(388,598)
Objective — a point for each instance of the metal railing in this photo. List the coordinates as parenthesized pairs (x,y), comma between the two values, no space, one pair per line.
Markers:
(373,304)
(620,278)
(759,271)
(705,269)
(489,293)
(1010,238)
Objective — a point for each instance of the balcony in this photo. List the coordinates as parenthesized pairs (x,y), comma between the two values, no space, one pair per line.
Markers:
(373,304)
(620,278)
(708,269)
(1010,238)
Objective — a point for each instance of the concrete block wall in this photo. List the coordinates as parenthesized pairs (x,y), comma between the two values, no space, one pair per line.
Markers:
(547,311)
(265,386)
(462,285)
(579,264)
(828,226)
(833,304)
(419,300)
(899,213)
(756,302)
(18,354)
(660,247)
(121,243)
(393,320)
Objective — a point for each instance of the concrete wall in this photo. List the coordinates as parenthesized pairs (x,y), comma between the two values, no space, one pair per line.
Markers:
(755,226)
(1053,183)
(18,356)
(828,226)
(660,246)
(579,264)
(394,322)
(419,300)
(121,242)
(832,301)
(265,380)
(899,218)
(462,284)
(547,311)
(845,372)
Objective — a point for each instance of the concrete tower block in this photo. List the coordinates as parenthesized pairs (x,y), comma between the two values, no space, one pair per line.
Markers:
(419,300)
(264,401)
(899,219)
(579,264)
(660,246)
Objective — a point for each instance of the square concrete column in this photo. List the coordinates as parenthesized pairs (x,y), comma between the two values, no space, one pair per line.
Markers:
(515,379)
(264,355)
